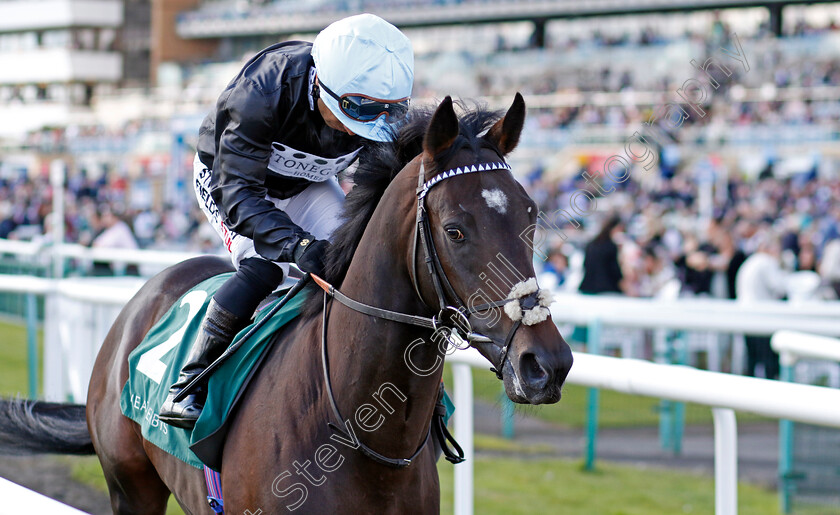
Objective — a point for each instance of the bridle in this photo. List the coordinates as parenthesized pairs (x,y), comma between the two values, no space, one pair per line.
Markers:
(460,312)
(452,317)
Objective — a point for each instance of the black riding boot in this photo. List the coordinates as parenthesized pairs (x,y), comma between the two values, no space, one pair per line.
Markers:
(215,334)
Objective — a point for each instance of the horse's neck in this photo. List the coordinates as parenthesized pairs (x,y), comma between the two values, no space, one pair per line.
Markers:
(368,355)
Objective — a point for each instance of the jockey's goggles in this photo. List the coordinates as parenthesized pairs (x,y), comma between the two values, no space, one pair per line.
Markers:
(363,108)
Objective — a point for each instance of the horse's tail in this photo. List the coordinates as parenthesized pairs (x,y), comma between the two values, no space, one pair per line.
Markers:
(34,427)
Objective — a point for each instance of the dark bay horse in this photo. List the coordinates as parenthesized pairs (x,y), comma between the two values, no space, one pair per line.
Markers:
(280,454)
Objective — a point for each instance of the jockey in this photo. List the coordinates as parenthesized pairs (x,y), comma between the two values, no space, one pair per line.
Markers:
(295,116)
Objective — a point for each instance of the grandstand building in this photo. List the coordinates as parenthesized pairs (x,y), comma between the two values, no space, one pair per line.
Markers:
(252,18)
(56,56)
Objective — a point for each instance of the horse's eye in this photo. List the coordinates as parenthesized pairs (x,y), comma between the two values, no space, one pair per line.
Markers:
(455,234)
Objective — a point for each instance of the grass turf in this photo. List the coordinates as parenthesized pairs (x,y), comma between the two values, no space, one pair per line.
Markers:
(512,485)
(14,360)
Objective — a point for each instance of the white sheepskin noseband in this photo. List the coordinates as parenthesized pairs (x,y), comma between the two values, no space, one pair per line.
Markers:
(534,315)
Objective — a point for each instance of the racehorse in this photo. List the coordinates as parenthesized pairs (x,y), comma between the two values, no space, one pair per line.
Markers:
(428,214)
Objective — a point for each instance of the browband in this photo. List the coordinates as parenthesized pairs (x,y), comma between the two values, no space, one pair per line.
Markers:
(483,167)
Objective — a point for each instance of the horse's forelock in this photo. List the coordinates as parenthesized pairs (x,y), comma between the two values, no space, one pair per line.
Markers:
(473,123)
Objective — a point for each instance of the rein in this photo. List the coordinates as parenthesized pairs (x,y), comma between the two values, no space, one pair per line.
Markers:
(367,451)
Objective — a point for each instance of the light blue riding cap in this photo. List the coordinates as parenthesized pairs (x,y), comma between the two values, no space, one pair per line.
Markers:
(364,55)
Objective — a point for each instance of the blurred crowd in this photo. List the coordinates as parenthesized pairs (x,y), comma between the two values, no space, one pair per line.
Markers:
(781,87)
(772,239)
(658,243)
(98,213)
(239,9)
(149,136)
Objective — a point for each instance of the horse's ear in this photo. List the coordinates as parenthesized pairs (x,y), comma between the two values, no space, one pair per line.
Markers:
(443,129)
(505,133)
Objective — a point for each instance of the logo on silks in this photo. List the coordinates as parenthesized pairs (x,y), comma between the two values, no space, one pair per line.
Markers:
(294,163)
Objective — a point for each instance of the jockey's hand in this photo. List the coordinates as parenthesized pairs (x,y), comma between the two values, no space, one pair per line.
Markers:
(309,255)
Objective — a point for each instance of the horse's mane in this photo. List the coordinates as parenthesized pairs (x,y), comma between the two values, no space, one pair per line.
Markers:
(379,164)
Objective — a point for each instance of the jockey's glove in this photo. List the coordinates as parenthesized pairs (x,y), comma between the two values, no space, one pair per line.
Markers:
(309,255)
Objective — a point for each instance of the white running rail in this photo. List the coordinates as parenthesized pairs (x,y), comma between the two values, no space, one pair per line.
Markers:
(722,316)
(46,251)
(17,500)
(79,313)
(725,393)
(793,346)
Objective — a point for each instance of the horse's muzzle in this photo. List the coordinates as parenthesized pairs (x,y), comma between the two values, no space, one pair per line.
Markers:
(536,375)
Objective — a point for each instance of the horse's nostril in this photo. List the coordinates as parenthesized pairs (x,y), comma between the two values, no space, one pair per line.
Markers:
(532,372)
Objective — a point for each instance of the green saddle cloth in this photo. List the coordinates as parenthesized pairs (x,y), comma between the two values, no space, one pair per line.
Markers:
(155,364)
